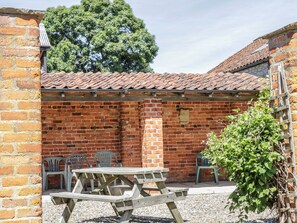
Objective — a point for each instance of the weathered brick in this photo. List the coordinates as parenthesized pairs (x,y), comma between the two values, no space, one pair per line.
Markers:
(6,192)
(6,127)
(4,20)
(15,202)
(14,181)
(7,170)
(35,201)
(280,57)
(28,212)
(29,169)
(6,214)
(8,52)
(35,220)
(29,148)
(6,84)
(28,126)
(6,105)
(12,31)
(20,73)
(6,148)
(35,179)
(14,73)
(26,22)
(21,137)
(13,115)
(34,116)
(29,191)
(33,42)
(29,105)
(16,95)
(17,221)
(13,160)
(33,32)
(28,84)
(27,63)
(35,159)
(6,40)
(6,63)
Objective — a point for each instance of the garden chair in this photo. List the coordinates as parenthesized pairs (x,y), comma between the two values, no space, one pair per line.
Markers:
(51,166)
(106,159)
(76,161)
(205,164)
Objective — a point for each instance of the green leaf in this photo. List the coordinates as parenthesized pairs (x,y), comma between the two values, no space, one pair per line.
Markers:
(98,36)
(245,148)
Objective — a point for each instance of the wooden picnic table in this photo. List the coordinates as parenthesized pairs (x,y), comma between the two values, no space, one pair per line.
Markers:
(125,197)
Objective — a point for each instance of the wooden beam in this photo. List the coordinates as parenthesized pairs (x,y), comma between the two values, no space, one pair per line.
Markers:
(140,97)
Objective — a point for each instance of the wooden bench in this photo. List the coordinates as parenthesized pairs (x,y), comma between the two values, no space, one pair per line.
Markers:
(64,197)
(122,202)
(148,188)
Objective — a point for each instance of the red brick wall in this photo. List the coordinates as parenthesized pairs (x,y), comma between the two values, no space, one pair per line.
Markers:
(183,142)
(87,127)
(20,119)
(75,127)
(130,134)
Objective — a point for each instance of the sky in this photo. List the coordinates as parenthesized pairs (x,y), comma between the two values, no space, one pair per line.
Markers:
(195,35)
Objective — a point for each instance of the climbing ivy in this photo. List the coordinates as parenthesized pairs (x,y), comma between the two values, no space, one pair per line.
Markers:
(245,150)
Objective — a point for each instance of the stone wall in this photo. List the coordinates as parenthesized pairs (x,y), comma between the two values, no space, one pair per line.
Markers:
(20,119)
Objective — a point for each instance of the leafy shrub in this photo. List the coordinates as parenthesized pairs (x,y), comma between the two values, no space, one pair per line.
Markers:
(245,149)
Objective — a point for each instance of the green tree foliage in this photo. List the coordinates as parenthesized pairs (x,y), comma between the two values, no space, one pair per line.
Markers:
(245,148)
(98,35)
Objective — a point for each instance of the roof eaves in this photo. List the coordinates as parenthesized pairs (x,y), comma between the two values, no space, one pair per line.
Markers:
(17,11)
(146,90)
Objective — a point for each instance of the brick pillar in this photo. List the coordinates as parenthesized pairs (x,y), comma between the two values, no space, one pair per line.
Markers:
(152,133)
(20,125)
(283,49)
(130,134)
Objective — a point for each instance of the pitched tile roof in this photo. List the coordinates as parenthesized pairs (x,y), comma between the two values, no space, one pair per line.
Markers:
(150,81)
(254,52)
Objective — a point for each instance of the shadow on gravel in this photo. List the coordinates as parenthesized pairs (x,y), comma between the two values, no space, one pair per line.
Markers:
(134,219)
(267,220)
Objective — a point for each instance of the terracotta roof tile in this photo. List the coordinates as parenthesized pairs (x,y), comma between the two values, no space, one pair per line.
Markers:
(149,81)
(254,52)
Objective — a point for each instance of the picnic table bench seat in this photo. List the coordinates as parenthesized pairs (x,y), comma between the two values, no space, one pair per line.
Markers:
(171,189)
(63,197)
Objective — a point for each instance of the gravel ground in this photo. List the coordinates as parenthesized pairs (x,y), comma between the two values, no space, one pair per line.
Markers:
(203,208)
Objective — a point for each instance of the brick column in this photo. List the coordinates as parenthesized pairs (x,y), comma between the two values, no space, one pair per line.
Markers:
(152,133)
(283,49)
(20,124)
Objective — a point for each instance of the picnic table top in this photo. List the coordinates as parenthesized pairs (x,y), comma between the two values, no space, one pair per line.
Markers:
(122,170)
